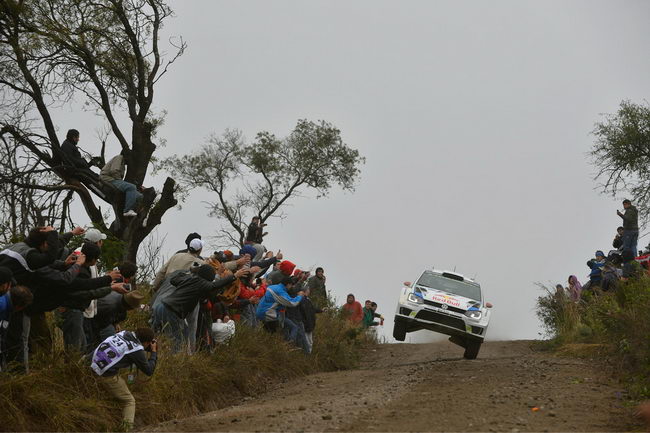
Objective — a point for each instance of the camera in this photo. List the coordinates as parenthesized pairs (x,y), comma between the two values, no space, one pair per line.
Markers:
(127,286)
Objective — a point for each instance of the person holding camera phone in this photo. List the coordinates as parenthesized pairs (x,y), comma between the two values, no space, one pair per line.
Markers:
(125,350)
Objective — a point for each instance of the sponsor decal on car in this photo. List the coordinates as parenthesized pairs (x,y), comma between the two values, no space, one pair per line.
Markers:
(444,299)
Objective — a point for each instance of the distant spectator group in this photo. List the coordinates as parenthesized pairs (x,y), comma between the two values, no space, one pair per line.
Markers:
(622,263)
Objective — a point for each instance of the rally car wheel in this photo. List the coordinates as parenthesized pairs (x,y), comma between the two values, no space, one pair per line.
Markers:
(472,348)
(399,331)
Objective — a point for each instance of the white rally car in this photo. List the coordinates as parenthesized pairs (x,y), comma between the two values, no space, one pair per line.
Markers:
(444,302)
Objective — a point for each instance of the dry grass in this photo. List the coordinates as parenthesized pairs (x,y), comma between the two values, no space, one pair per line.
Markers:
(62,394)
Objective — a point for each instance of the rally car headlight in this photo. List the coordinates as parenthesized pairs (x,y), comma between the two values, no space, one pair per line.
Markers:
(416,299)
(474,314)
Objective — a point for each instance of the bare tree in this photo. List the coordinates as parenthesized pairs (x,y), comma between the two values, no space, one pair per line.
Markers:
(260,179)
(24,205)
(106,54)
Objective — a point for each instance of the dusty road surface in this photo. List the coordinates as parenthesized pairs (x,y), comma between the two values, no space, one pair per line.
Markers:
(429,387)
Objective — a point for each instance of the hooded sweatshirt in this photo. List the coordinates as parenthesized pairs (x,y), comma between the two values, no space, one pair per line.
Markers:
(275,297)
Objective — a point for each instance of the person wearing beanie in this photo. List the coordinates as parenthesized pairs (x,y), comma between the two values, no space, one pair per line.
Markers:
(596,265)
(169,315)
(181,261)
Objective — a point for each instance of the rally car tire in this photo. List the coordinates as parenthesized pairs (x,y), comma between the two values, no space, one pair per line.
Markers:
(399,331)
(471,349)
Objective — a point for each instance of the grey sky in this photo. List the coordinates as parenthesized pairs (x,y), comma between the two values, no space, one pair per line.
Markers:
(474,118)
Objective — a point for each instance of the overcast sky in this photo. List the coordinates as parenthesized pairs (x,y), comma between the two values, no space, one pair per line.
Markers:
(474,117)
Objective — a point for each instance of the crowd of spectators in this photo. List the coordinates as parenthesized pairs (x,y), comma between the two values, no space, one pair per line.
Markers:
(620,264)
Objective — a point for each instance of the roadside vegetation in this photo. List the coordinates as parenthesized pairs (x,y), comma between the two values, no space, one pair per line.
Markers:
(62,394)
(613,326)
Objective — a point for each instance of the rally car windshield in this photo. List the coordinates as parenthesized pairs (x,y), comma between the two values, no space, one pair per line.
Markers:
(460,288)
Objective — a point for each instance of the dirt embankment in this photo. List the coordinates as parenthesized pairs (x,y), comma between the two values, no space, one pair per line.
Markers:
(429,387)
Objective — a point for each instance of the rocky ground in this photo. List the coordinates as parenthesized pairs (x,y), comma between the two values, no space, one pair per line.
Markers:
(430,387)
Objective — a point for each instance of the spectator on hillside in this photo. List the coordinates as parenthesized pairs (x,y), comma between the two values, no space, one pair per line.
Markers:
(255,237)
(70,315)
(596,266)
(309,312)
(15,299)
(630,226)
(316,285)
(171,314)
(353,309)
(124,350)
(560,292)
(609,281)
(294,321)
(277,297)
(373,306)
(284,269)
(96,237)
(575,288)
(631,268)
(112,309)
(618,239)
(189,239)
(180,262)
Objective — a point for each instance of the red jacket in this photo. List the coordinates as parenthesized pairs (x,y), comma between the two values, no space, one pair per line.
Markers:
(355,311)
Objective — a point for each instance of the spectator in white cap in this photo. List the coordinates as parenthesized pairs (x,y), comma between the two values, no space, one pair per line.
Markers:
(96,237)
(181,261)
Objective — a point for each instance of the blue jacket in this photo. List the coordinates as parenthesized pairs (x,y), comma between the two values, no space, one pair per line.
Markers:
(276,297)
(5,307)
(596,273)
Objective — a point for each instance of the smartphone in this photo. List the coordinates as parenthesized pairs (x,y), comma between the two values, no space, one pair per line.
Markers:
(127,286)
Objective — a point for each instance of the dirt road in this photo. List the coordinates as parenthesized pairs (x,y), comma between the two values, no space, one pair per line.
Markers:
(429,387)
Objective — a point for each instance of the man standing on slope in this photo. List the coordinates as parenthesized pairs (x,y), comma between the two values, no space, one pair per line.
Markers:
(630,226)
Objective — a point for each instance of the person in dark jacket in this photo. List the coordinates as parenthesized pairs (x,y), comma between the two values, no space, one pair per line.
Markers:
(169,315)
(309,311)
(40,248)
(294,323)
(15,299)
(71,155)
(618,239)
(317,287)
(630,226)
(125,350)
(255,237)
(112,309)
(596,266)
(70,315)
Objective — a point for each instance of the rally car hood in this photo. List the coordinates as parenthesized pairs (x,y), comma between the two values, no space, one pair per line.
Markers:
(449,299)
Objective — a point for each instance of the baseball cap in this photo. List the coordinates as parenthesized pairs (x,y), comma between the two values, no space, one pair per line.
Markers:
(94,235)
(196,244)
